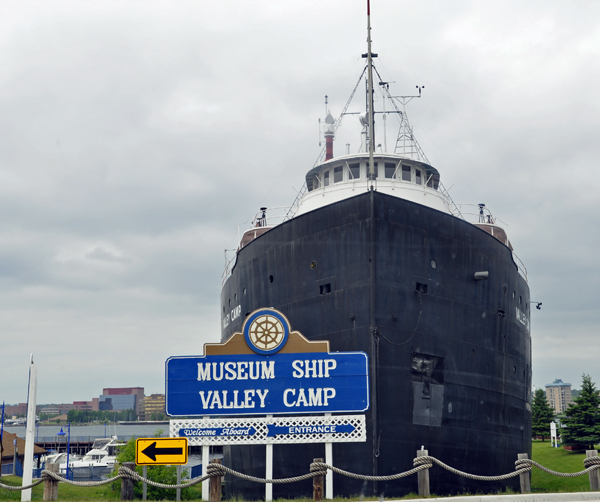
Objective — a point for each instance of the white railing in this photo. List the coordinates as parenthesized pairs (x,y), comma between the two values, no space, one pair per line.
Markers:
(520,266)
(265,218)
(476,213)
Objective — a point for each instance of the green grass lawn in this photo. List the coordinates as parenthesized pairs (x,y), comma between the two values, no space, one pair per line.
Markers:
(560,460)
(65,491)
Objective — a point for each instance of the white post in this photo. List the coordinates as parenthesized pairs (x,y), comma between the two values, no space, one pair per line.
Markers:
(328,461)
(29,436)
(553,436)
(269,473)
(205,462)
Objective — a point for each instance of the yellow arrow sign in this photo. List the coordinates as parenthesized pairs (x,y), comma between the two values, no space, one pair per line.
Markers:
(161,451)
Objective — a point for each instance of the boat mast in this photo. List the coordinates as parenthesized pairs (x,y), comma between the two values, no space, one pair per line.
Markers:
(370,96)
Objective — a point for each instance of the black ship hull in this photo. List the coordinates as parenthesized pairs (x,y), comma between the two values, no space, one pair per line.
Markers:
(449,356)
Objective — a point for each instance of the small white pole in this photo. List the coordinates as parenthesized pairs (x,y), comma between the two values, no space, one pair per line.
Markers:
(29,437)
(328,461)
(269,473)
(178,491)
(205,462)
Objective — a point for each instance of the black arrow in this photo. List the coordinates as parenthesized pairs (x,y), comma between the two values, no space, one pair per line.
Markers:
(151,451)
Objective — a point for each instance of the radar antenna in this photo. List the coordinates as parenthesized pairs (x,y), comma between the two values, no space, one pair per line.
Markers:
(406,143)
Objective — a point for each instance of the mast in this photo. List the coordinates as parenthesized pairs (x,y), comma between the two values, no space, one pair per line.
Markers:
(370,96)
(373,290)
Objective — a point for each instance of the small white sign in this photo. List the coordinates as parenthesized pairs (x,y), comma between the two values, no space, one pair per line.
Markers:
(553,436)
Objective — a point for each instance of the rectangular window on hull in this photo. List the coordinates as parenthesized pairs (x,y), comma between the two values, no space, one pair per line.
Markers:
(326,178)
(390,170)
(354,171)
(418,176)
(338,174)
(406,173)
(325,289)
(421,288)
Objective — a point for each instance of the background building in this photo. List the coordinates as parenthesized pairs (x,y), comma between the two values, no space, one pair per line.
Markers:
(153,407)
(16,409)
(558,394)
(122,398)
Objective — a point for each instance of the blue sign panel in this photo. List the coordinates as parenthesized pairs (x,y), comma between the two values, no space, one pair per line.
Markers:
(253,384)
(218,432)
(298,430)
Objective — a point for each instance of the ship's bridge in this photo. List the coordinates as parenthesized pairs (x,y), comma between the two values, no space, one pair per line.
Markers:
(396,175)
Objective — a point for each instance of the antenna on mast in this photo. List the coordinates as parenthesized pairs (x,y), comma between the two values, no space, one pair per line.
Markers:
(369,55)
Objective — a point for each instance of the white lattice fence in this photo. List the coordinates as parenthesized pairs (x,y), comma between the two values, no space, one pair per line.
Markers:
(276,430)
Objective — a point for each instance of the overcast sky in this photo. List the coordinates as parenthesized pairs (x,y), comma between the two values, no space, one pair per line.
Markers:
(136,136)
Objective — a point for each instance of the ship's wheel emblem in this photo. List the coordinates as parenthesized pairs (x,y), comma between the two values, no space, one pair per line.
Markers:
(266,331)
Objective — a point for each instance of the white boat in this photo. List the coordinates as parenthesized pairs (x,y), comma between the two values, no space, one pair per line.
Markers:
(97,462)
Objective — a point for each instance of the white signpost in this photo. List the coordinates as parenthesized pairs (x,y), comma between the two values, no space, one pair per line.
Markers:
(553,436)
(271,430)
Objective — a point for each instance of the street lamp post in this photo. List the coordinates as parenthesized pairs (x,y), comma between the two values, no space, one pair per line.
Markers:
(62,433)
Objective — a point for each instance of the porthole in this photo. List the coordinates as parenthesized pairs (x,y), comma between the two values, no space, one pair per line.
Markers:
(235,297)
(520,300)
(433,264)
(514,295)
(230,302)
(313,264)
(270,278)
(244,291)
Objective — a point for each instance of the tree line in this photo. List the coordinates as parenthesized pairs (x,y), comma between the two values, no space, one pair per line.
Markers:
(581,424)
(85,416)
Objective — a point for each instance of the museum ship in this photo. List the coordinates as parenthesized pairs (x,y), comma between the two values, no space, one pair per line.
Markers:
(374,256)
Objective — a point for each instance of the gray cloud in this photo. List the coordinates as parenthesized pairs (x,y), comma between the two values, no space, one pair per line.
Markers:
(136,137)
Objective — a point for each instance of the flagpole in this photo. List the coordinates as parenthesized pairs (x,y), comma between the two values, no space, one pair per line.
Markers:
(1,436)
(29,437)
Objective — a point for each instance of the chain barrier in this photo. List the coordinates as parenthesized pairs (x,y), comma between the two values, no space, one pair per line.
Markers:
(316,469)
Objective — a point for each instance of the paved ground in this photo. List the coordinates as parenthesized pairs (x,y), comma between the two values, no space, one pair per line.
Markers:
(538,497)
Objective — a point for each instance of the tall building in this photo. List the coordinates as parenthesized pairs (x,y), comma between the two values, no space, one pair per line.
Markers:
(122,398)
(558,394)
